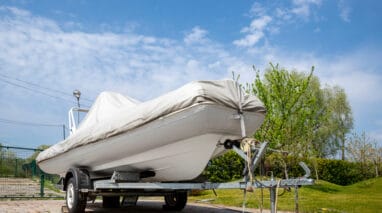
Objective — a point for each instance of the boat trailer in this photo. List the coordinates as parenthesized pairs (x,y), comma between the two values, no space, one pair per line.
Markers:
(80,188)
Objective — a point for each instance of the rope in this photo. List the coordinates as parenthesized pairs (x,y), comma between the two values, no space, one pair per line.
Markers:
(246,146)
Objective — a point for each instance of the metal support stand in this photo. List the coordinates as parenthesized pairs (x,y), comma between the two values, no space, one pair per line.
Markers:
(257,152)
(272,195)
(296,199)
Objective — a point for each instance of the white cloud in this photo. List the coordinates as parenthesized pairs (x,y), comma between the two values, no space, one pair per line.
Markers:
(14,10)
(302,8)
(249,40)
(283,14)
(258,24)
(266,23)
(344,10)
(196,35)
(257,10)
(254,32)
(38,50)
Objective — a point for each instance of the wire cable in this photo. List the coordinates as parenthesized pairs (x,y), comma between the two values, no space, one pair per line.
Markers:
(15,122)
(30,90)
(6,79)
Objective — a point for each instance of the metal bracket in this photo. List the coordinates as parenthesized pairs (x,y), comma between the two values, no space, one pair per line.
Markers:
(120,176)
(305,168)
(259,155)
(239,152)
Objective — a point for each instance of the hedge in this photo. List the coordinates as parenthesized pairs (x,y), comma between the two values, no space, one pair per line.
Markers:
(230,166)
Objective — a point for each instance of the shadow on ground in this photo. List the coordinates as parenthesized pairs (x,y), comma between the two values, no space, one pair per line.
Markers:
(156,206)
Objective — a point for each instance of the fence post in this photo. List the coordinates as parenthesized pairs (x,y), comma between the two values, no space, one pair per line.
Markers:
(34,173)
(16,167)
(42,181)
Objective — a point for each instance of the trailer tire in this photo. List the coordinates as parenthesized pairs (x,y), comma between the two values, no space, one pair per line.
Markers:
(175,201)
(110,201)
(75,200)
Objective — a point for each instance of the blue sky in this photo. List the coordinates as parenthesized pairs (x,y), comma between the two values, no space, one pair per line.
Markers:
(146,48)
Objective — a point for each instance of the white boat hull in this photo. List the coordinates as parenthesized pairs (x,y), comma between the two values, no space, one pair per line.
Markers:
(200,131)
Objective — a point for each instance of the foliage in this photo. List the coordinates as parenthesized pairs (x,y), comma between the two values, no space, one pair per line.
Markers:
(10,163)
(224,168)
(281,92)
(362,149)
(341,172)
(334,171)
(302,118)
(336,122)
(229,167)
(15,162)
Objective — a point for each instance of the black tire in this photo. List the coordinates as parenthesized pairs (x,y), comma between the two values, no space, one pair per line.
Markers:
(75,200)
(111,202)
(175,201)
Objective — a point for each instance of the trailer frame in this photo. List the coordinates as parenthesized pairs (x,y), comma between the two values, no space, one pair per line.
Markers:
(130,185)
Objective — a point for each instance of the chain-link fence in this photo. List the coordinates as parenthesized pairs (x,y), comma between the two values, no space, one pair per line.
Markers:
(21,177)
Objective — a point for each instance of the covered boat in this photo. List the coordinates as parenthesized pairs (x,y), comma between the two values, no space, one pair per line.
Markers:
(172,137)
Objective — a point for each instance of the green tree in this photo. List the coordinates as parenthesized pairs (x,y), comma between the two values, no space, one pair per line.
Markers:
(342,116)
(336,121)
(302,118)
(289,108)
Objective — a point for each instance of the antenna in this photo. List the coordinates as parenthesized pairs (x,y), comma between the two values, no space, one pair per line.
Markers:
(77,94)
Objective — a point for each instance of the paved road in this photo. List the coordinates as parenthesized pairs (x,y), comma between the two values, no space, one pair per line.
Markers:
(54,206)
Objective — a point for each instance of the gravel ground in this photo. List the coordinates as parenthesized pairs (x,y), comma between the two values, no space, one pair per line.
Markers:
(23,187)
(53,206)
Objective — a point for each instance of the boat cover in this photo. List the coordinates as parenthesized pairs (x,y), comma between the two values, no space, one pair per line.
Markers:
(113,114)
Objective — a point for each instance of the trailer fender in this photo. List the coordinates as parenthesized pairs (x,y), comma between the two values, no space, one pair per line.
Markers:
(82,177)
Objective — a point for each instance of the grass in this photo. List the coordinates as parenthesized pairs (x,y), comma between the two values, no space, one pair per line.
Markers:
(47,184)
(50,185)
(365,196)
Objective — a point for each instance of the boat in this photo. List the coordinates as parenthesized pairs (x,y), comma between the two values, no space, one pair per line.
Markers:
(170,138)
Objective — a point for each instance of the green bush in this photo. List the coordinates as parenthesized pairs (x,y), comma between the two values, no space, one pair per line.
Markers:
(338,171)
(335,171)
(230,166)
(225,168)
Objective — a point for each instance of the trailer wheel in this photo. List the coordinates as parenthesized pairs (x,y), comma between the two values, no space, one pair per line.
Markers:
(175,201)
(110,201)
(75,200)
